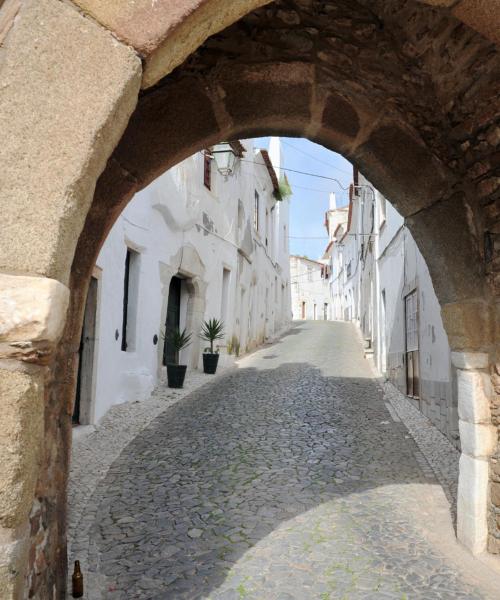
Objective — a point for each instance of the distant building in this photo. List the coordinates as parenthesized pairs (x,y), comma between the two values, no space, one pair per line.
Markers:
(195,244)
(310,290)
(380,280)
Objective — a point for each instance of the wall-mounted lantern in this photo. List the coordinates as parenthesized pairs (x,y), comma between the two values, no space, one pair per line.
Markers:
(225,158)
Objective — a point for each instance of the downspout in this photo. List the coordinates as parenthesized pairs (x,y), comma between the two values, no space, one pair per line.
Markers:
(378,357)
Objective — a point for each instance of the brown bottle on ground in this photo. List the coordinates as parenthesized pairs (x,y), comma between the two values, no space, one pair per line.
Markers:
(77,581)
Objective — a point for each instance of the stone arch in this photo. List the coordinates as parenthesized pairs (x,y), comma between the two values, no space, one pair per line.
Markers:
(406,91)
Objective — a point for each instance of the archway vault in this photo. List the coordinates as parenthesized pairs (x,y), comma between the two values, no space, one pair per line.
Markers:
(408,92)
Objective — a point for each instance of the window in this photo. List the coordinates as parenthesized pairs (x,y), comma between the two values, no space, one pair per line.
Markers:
(267,228)
(207,170)
(412,354)
(309,274)
(256,211)
(411,312)
(226,274)
(130,299)
(382,209)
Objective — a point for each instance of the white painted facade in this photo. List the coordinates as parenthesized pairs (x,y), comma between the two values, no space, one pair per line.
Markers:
(229,246)
(310,290)
(310,285)
(380,280)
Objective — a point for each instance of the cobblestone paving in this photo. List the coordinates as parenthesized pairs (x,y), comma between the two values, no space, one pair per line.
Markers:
(95,448)
(439,452)
(286,479)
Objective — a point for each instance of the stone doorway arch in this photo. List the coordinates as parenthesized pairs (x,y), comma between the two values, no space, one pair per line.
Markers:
(408,92)
(188,264)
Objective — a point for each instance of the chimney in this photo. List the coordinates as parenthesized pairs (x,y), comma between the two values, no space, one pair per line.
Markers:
(333,201)
(275,155)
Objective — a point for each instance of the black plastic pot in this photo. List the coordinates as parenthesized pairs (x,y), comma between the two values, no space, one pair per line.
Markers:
(210,362)
(176,375)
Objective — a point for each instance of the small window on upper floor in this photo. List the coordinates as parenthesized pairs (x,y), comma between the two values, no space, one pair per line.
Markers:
(207,170)
(256,211)
(309,274)
(382,209)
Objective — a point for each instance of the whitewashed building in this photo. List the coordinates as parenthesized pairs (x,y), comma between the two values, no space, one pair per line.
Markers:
(310,279)
(310,290)
(193,245)
(380,280)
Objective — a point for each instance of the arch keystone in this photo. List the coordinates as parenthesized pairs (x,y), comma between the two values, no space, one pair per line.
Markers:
(340,116)
(275,95)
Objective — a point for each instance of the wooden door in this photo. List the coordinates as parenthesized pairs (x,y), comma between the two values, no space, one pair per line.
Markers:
(412,352)
(172,321)
(82,411)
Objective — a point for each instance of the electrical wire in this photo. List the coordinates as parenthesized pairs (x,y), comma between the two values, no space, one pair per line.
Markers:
(243,173)
(315,158)
(295,237)
(300,173)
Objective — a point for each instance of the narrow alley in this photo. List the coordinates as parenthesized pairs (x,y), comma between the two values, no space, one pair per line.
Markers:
(287,478)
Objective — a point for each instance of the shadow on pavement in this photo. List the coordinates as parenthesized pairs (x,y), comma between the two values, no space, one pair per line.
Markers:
(218,472)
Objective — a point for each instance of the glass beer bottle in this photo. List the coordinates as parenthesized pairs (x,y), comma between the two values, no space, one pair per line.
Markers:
(77,581)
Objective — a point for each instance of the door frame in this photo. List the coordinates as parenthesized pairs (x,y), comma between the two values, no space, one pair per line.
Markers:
(87,409)
(166,341)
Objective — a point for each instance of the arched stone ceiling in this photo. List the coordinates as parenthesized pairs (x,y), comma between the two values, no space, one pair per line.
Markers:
(165,32)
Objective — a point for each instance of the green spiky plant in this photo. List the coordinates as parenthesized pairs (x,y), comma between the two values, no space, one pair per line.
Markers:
(212,330)
(179,340)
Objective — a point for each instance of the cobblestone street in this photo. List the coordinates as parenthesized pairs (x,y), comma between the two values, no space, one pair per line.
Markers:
(291,477)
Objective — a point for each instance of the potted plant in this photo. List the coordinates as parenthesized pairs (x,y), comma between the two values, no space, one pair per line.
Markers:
(176,372)
(211,330)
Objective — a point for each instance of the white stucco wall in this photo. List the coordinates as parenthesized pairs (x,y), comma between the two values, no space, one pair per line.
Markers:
(179,227)
(386,266)
(309,286)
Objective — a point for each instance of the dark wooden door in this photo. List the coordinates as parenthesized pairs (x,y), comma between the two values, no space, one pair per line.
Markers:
(172,321)
(85,380)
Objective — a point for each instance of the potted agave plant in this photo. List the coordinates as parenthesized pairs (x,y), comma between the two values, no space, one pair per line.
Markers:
(211,330)
(176,372)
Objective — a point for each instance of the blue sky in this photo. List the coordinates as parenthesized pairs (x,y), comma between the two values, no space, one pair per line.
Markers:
(310,194)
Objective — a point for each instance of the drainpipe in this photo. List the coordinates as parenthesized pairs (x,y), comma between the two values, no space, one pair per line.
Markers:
(378,357)
(359,258)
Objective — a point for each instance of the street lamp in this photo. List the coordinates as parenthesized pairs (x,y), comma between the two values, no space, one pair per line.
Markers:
(225,158)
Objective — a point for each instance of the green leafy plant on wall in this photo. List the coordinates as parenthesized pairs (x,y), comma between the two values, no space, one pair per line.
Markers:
(284,190)
(233,346)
